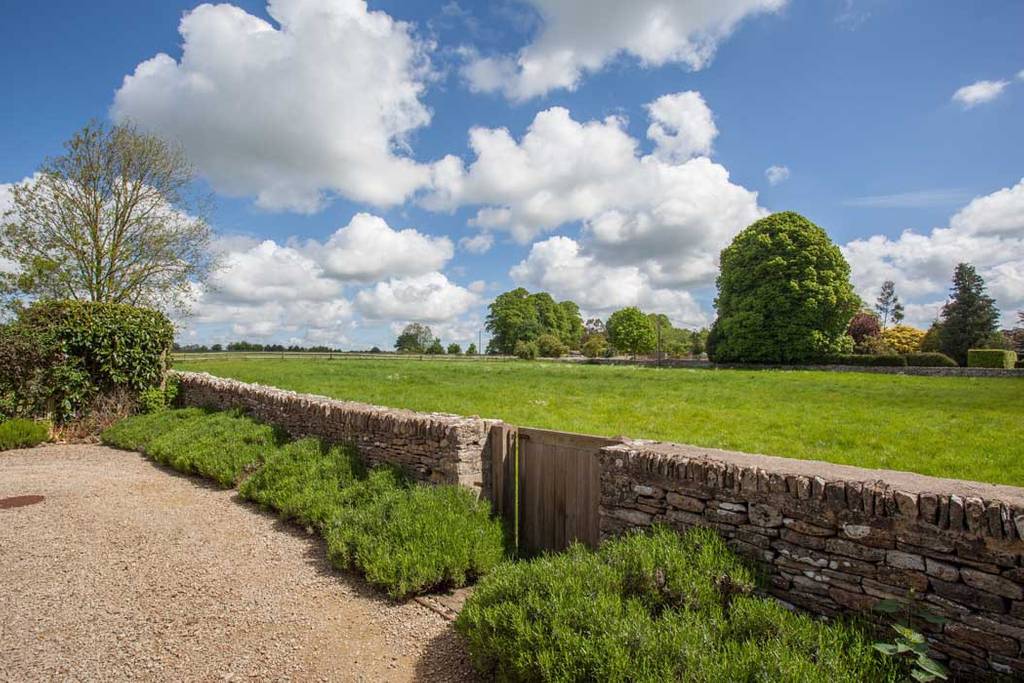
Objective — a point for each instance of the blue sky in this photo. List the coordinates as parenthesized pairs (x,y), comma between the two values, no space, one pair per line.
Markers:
(859,104)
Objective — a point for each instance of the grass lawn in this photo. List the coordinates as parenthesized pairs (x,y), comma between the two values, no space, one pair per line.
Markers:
(960,427)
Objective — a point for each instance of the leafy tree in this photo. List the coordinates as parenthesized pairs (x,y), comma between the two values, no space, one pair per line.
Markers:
(784,294)
(520,316)
(114,219)
(630,331)
(594,347)
(415,338)
(888,304)
(435,348)
(699,341)
(863,326)
(216,347)
(550,346)
(969,318)
(471,349)
(454,349)
(593,327)
(903,338)
(527,350)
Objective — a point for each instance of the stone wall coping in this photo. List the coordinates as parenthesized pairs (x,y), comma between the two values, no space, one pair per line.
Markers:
(894,479)
(252,388)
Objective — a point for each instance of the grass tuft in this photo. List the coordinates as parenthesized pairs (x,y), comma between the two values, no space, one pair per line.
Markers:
(18,432)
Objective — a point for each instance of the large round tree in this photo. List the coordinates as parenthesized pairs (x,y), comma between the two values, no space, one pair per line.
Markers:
(784,294)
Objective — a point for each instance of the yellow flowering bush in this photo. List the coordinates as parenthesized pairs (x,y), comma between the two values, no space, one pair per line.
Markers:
(903,338)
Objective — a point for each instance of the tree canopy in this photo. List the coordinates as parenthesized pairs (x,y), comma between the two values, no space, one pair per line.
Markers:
(519,316)
(784,294)
(970,317)
(630,331)
(415,338)
(114,219)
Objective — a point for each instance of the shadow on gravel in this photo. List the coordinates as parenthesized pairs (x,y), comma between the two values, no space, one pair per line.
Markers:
(445,659)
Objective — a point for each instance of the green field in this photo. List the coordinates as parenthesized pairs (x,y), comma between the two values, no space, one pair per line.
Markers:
(961,427)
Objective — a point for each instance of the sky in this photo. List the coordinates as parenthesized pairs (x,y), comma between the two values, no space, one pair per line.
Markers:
(375,164)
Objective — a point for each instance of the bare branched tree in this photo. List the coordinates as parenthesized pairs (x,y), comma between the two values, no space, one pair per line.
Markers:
(115,218)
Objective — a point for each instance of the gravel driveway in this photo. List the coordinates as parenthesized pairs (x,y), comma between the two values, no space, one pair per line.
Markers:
(127,570)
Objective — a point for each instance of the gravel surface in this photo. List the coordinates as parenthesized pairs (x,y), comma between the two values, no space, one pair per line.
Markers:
(127,570)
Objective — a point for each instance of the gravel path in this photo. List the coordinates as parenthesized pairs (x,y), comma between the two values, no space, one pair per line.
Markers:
(127,570)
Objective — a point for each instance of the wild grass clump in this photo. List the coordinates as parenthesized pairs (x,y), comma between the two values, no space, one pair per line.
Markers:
(221,446)
(411,540)
(652,607)
(21,433)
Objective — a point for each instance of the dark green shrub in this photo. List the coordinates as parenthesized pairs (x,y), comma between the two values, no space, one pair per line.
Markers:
(886,361)
(929,360)
(22,433)
(651,607)
(57,356)
(155,399)
(411,540)
(991,358)
(550,346)
(784,295)
(527,350)
(305,480)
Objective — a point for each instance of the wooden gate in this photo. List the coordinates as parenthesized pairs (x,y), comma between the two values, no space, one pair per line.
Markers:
(547,484)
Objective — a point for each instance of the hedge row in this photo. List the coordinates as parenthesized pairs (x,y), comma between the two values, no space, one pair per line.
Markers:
(991,358)
(914,360)
(404,538)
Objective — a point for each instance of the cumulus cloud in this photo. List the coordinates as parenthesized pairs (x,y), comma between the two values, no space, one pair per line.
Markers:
(368,249)
(324,102)
(425,298)
(979,93)
(583,36)
(477,244)
(987,233)
(776,174)
(561,266)
(682,126)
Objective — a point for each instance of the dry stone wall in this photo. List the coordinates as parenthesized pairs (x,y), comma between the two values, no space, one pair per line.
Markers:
(838,539)
(433,447)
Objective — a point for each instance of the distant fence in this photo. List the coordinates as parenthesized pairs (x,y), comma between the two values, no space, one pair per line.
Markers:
(832,538)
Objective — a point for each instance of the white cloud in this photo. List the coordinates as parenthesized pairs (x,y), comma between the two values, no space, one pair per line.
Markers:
(477,244)
(978,93)
(776,174)
(1001,212)
(368,249)
(425,298)
(270,272)
(322,103)
(682,126)
(583,36)
(561,266)
(987,233)
(671,217)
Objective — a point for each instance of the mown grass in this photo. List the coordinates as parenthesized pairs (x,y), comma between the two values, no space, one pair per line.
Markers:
(652,607)
(959,427)
(405,538)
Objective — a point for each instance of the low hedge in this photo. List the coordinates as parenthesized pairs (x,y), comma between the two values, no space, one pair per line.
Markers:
(929,360)
(652,607)
(886,360)
(991,358)
(21,433)
(404,538)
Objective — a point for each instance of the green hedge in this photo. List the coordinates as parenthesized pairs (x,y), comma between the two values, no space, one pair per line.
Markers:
(57,356)
(652,607)
(929,360)
(888,361)
(404,538)
(991,358)
(22,433)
